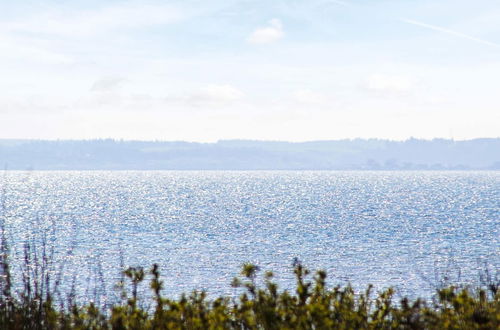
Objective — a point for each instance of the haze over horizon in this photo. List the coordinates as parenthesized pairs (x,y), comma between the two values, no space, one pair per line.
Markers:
(205,71)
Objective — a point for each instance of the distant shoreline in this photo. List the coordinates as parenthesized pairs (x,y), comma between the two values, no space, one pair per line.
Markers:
(236,155)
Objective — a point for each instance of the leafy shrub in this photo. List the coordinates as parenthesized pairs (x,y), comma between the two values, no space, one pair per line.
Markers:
(311,306)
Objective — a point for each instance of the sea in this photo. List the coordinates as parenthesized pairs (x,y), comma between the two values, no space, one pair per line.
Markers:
(413,231)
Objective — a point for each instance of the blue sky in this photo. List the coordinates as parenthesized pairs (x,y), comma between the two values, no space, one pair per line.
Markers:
(268,70)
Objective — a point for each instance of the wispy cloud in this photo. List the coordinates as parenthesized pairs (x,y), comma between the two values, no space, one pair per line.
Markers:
(20,49)
(267,34)
(107,84)
(216,94)
(96,21)
(207,96)
(450,32)
(342,3)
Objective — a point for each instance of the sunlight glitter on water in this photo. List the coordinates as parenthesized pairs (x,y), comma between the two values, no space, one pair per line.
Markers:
(386,228)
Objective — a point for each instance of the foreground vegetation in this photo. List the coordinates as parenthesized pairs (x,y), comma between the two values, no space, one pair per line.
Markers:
(311,306)
(32,299)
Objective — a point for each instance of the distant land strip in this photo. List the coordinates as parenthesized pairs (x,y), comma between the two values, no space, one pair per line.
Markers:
(356,154)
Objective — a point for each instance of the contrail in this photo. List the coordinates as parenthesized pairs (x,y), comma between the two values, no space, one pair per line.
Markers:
(448,31)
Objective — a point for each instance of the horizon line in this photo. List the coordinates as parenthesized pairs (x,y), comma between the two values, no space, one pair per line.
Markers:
(241,140)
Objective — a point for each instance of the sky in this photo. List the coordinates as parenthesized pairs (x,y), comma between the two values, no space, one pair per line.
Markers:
(206,70)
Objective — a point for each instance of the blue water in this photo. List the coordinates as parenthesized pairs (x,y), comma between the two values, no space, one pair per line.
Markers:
(410,230)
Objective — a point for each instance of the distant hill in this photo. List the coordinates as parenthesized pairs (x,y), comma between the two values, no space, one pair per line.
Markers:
(357,154)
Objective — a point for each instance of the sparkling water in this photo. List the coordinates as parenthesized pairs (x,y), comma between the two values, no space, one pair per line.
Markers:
(409,230)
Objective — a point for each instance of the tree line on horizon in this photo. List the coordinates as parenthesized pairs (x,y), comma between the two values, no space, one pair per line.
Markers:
(357,154)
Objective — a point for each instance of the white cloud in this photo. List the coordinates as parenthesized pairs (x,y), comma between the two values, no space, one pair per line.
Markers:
(309,96)
(107,84)
(215,95)
(389,83)
(265,35)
